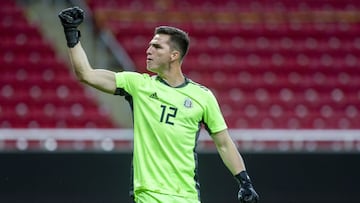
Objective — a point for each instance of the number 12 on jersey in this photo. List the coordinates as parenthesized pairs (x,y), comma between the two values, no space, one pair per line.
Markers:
(167,114)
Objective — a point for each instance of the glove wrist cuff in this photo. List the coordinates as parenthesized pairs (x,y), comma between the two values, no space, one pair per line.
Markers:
(242,178)
(72,36)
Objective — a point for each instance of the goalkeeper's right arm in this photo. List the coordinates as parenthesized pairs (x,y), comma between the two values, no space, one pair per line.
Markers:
(101,79)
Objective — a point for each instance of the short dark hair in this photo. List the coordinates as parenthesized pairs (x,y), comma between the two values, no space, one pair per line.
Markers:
(179,39)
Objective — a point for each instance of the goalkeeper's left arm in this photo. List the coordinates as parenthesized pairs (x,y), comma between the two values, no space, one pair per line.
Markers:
(234,162)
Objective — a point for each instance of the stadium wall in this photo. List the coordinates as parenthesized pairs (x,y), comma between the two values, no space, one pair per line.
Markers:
(103,177)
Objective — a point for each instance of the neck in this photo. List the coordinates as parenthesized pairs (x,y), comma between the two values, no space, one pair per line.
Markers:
(173,76)
(173,80)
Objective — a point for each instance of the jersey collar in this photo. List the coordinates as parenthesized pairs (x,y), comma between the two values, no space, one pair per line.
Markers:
(179,86)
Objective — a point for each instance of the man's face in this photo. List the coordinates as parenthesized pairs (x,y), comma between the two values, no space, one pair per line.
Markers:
(158,53)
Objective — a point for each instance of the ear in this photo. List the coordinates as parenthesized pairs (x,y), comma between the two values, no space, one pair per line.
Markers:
(175,55)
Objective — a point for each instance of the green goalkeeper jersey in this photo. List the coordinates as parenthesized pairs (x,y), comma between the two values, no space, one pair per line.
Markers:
(167,122)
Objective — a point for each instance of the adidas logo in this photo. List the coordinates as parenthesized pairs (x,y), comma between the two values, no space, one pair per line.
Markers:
(154,96)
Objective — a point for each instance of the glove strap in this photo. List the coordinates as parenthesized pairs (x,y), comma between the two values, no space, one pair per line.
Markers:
(72,36)
(243,179)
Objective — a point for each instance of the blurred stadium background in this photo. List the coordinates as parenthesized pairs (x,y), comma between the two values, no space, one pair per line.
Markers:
(286,74)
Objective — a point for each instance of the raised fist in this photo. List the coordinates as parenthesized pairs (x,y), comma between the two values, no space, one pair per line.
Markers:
(71,17)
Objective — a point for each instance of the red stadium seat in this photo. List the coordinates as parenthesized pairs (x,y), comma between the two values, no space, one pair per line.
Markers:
(37,90)
(274,64)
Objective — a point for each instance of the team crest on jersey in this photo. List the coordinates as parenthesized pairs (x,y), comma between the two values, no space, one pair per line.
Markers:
(188,103)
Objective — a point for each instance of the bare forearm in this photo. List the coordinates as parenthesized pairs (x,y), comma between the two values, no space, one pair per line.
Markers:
(231,157)
(100,79)
(80,62)
(228,152)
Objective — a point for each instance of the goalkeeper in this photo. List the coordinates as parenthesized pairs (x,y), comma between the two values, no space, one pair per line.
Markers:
(168,112)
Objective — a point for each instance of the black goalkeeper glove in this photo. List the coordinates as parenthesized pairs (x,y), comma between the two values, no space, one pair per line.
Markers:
(247,193)
(70,19)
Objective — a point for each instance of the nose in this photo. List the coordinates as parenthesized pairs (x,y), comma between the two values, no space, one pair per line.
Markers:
(148,50)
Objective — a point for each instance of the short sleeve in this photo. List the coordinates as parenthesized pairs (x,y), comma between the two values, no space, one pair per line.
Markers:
(129,81)
(213,118)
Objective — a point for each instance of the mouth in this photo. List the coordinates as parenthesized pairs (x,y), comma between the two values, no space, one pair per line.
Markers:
(149,60)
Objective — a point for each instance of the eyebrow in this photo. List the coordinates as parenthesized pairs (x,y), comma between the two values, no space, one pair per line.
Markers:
(156,45)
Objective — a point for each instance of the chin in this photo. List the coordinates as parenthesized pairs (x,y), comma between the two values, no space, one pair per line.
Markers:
(151,69)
